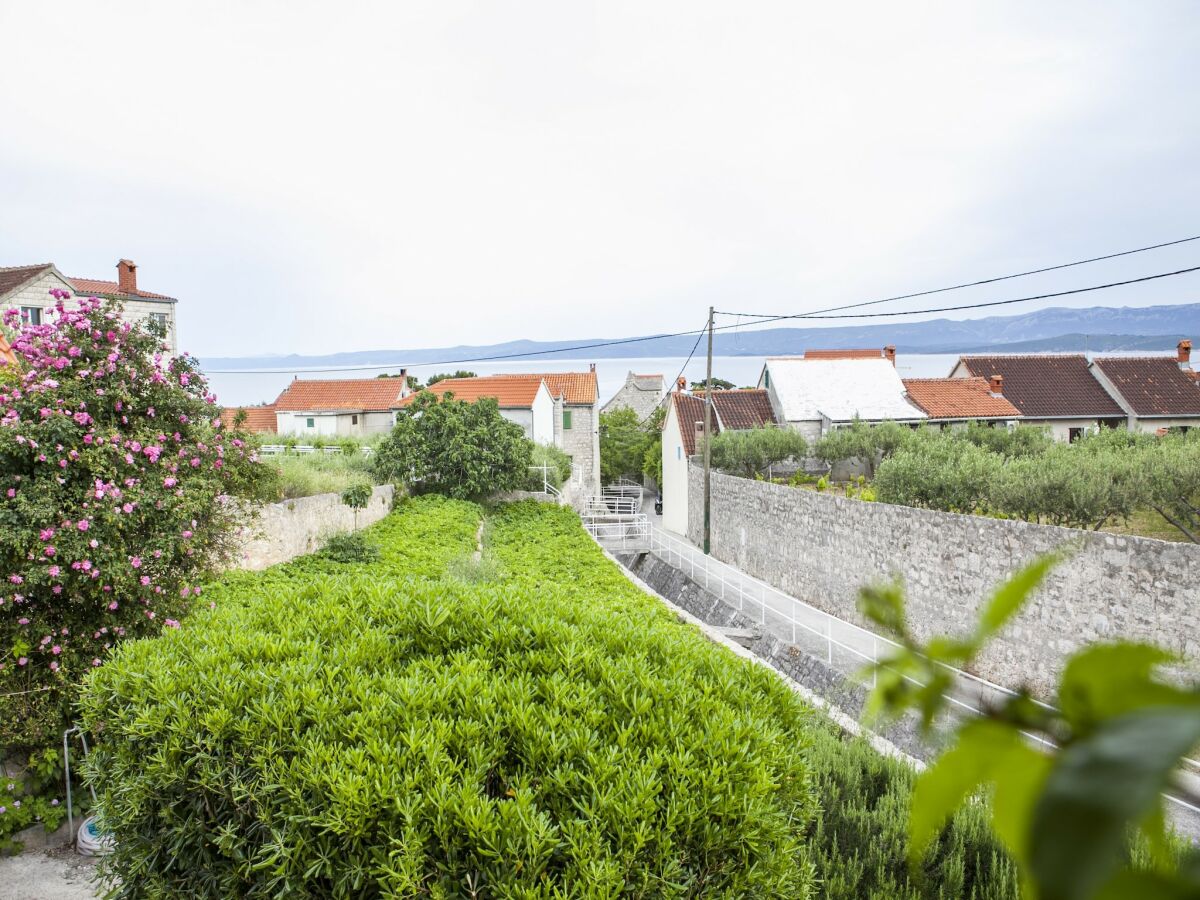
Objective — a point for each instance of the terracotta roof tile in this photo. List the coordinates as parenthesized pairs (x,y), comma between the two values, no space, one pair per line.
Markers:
(369,394)
(1047,386)
(12,277)
(91,286)
(509,391)
(843,354)
(259,419)
(574,387)
(959,398)
(1152,385)
(740,410)
(689,409)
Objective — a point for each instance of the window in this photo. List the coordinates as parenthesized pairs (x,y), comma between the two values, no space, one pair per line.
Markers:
(32,314)
(566,420)
(679,453)
(766,378)
(354,420)
(159,319)
(1074,434)
(310,423)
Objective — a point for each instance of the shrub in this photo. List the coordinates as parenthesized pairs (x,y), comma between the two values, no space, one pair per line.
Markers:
(754,451)
(350,547)
(463,450)
(557,465)
(624,439)
(115,484)
(950,475)
(865,442)
(555,734)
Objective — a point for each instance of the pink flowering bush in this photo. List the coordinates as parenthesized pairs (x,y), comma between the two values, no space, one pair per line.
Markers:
(118,487)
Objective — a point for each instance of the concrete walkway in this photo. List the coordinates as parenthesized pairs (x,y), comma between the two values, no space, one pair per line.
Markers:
(59,874)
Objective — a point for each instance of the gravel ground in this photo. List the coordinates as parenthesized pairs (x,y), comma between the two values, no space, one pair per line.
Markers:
(59,874)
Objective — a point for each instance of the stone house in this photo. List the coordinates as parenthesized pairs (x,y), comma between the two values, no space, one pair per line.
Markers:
(523,400)
(817,393)
(955,402)
(682,433)
(1056,391)
(349,407)
(1154,392)
(641,393)
(28,288)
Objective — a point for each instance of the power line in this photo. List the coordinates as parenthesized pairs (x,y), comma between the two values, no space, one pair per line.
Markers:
(822,314)
(994,279)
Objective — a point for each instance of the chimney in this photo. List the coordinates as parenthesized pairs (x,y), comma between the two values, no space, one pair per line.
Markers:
(127,277)
(592,367)
(681,384)
(997,386)
(889,353)
(1184,353)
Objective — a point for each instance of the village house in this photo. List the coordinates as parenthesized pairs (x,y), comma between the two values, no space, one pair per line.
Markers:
(641,393)
(256,419)
(525,401)
(1055,391)
(349,407)
(1154,392)
(956,402)
(832,389)
(28,288)
(682,435)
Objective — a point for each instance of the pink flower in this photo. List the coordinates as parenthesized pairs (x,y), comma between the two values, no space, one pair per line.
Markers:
(46,533)
(145,580)
(83,525)
(169,482)
(49,551)
(127,507)
(136,562)
(53,571)
(56,650)
(22,661)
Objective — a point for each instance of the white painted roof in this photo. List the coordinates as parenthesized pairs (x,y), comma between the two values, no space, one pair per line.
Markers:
(839,390)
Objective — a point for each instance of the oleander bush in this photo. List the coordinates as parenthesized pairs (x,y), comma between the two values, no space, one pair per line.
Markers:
(348,731)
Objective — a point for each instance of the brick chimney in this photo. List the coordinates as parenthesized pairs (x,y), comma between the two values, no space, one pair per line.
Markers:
(681,384)
(127,277)
(1184,353)
(889,353)
(592,367)
(997,386)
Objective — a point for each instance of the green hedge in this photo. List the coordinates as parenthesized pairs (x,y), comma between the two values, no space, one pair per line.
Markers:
(339,731)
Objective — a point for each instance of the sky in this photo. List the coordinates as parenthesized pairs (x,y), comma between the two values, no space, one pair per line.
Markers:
(317,177)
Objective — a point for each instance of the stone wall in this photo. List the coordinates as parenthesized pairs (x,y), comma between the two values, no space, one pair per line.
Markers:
(821,549)
(292,528)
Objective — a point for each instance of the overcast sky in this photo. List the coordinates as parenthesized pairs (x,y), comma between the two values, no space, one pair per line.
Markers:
(316,177)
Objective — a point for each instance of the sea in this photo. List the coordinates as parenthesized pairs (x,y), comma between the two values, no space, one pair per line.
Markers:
(248,388)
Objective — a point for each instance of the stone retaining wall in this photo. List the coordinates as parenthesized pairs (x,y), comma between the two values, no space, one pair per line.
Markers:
(293,528)
(822,548)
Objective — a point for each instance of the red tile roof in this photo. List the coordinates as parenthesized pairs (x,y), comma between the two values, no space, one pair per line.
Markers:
(843,354)
(689,410)
(12,277)
(368,394)
(1152,385)
(1047,386)
(509,391)
(94,286)
(740,410)
(259,419)
(574,387)
(958,398)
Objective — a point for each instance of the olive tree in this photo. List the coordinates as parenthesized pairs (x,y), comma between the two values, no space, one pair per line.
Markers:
(752,452)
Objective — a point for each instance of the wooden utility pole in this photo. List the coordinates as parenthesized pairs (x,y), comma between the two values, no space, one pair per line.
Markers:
(708,381)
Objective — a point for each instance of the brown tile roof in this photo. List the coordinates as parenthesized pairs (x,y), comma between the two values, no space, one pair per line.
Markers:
(739,410)
(1047,386)
(689,410)
(1152,385)
(574,387)
(509,391)
(93,286)
(843,354)
(12,277)
(259,419)
(370,394)
(958,398)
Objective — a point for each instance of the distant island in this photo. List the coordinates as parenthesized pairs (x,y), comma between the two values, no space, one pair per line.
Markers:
(1059,329)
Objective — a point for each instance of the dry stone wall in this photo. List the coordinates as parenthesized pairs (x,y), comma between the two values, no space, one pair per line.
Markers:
(822,549)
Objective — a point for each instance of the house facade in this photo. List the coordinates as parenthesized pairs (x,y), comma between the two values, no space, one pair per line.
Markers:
(956,402)
(816,394)
(1054,391)
(350,407)
(28,288)
(641,393)
(682,434)
(1154,392)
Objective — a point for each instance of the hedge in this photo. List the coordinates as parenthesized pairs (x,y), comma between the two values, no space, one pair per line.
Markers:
(338,731)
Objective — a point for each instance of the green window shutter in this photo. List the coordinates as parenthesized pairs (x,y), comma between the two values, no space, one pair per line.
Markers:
(566,419)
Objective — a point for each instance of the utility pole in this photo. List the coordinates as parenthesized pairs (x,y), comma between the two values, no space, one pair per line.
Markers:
(707,443)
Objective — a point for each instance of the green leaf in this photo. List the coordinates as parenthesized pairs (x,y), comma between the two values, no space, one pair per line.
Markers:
(1109,680)
(1020,776)
(982,746)
(1011,596)
(1098,788)
(884,605)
